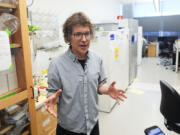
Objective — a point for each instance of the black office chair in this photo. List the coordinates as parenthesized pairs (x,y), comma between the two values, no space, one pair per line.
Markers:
(170,107)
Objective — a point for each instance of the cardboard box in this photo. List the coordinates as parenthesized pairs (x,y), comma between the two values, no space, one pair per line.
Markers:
(151,50)
(45,122)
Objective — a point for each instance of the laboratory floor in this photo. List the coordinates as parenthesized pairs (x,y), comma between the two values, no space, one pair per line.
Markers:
(141,109)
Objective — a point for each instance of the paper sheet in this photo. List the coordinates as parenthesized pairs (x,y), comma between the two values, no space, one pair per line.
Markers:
(41,62)
(5,52)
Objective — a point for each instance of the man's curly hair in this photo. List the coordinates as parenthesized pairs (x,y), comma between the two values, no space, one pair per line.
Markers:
(78,18)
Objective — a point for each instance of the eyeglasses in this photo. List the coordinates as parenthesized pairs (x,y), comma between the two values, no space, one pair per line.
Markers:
(79,35)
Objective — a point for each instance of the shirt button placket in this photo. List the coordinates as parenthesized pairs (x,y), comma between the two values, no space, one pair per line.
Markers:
(86,100)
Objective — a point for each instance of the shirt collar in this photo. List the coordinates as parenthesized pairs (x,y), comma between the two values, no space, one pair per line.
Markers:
(74,57)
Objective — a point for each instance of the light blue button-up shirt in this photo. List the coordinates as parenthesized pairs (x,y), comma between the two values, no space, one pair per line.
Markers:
(77,106)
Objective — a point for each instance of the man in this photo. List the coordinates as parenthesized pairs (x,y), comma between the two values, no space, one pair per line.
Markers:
(75,79)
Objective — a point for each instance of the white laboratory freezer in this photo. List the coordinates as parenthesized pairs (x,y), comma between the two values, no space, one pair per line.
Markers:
(113,47)
(132,25)
(139,45)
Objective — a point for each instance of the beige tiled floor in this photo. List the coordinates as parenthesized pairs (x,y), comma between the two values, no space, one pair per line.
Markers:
(141,109)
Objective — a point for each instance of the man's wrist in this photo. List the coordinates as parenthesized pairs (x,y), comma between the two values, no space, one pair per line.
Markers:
(105,92)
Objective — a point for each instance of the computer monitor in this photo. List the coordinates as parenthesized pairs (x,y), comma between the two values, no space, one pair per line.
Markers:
(170,102)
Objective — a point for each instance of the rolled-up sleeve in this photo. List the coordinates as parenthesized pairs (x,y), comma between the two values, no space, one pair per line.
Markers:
(54,80)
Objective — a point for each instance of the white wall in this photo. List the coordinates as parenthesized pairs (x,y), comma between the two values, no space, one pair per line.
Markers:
(167,7)
(97,10)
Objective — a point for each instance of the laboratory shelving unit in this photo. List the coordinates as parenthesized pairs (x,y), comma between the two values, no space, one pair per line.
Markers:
(21,50)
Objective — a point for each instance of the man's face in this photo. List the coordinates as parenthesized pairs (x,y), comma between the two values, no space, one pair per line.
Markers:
(80,40)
